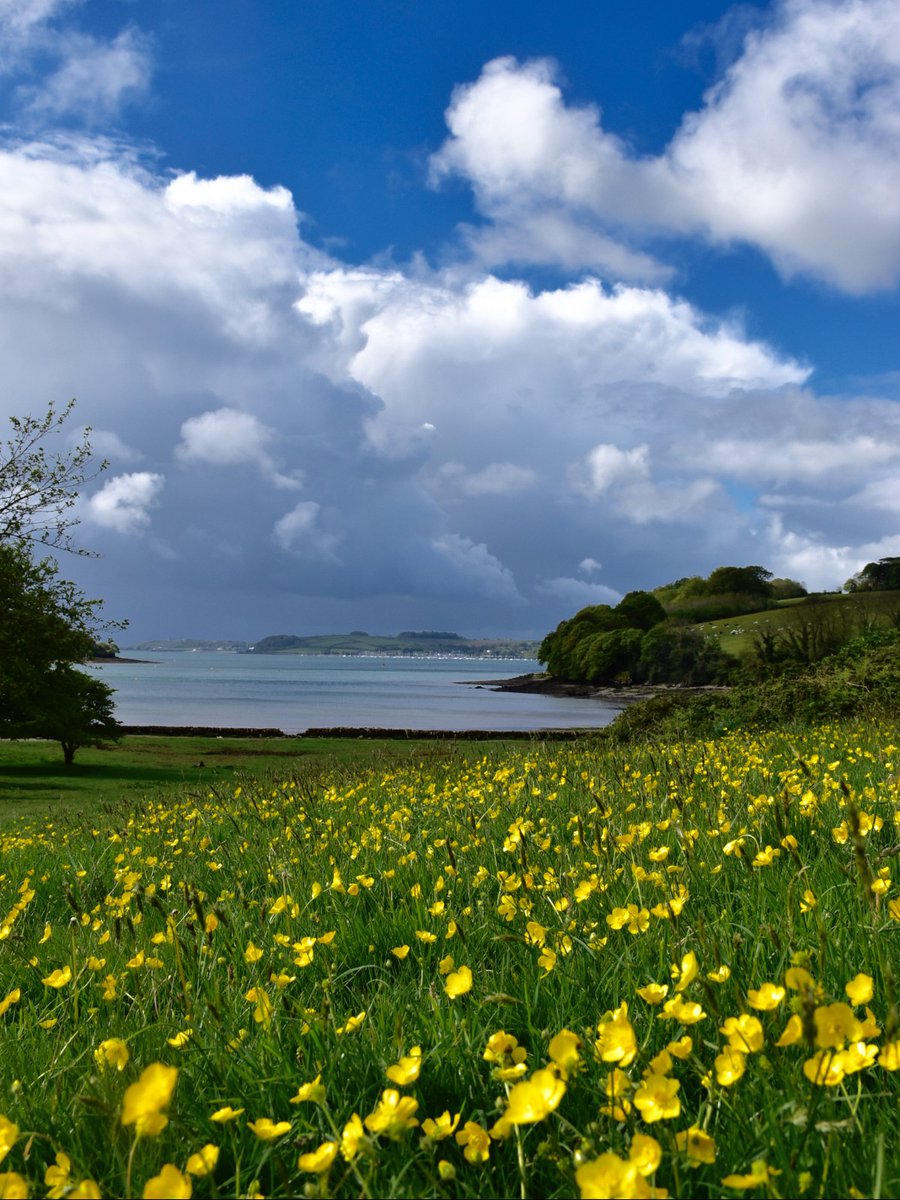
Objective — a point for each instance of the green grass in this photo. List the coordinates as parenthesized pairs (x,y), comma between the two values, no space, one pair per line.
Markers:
(34,782)
(248,935)
(736,634)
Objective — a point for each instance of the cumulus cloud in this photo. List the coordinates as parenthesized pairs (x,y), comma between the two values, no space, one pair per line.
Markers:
(811,101)
(226,437)
(123,503)
(299,531)
(90,78)
(463,439)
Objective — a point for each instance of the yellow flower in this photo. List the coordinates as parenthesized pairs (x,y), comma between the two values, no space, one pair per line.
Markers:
(759,1176)
(766,998)
(860,989)
(646,1153)
(144,1101)
(533,1099)
(400,951)
(394,1115)
(441,1127)
(720,975)
(56,1177)
(58,978)
(654,993)
(564,1051)
(267,1130)
(203,1162)
(793,1032)
(687,972)
(825,1068)
(352,1138)
(313,1093)
(406,1071)
(112,1053)
(610,1176)
(86,1190)
(682,1048)
(697,1145)
(10,999)
(889,1056)
(835,1025)
(475,1142)
(169,1184)
(458,983)
(547,960)
(262,1014)
(798,979)
(13,1186)
(319,1161)
(352,1023)
(744,1033)
(252,954)
(687,1012)
(730,1065)
(223,1115)
(180,1040)
(656,1098)
(616,1042)
(445,966)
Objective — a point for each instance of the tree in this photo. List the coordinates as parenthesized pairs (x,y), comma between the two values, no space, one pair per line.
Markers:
(38,489)
(881,576)
(47,625)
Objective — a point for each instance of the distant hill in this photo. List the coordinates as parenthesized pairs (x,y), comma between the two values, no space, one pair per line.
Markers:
(186,644)
(409,643)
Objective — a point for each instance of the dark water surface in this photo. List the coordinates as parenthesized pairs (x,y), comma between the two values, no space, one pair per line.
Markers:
(298,692)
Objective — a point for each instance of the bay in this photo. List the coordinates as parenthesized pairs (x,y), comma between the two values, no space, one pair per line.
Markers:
(299,692)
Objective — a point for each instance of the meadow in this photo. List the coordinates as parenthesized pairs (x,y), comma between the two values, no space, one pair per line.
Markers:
(533,970)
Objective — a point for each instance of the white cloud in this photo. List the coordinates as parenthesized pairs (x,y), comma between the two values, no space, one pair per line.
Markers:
(607,466)
(226,437)
(812,102)
(123,503)
(299,531)
(485,574)
(496,479)
(94,79)
(793,459)
(577,593)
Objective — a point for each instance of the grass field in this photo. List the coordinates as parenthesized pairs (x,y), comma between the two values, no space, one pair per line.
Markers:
(736,634)
(530,970)
(35,783)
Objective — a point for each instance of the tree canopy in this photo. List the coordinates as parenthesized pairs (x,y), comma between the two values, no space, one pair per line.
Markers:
(47,625)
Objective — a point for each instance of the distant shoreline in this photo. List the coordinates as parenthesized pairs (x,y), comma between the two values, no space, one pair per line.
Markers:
(550,685)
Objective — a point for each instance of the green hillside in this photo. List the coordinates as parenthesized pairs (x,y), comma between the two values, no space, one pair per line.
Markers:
(737,635)
(425,642)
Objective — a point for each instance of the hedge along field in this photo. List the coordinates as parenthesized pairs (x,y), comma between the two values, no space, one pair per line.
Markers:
(555,971)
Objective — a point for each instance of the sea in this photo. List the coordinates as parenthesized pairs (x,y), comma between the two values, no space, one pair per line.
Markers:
(296,692)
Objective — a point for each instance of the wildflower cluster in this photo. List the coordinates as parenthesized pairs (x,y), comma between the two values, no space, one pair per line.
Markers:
(567,971)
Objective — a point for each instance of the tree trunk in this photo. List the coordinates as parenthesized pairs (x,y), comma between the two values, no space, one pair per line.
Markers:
(68,749)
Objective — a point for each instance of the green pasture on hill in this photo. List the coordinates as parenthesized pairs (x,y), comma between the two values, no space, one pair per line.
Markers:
(736,634)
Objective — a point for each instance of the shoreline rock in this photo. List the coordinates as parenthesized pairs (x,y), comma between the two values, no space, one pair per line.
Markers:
(623,695)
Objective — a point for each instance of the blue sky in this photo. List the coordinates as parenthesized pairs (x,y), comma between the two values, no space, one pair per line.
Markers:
(458,315)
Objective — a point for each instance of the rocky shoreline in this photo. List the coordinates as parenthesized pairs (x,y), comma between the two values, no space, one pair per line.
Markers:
(550,685)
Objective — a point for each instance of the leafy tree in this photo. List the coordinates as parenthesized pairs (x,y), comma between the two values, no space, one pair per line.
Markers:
(38,489)
(881,576)
(640,610)
(746,581)
(47,625)
(787,589)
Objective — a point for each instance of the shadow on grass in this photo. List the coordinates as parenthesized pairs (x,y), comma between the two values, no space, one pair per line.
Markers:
(34,776)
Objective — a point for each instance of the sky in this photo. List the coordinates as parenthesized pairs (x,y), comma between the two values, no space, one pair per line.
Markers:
(400,315)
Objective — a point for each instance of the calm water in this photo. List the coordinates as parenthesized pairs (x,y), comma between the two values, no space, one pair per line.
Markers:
(299,692)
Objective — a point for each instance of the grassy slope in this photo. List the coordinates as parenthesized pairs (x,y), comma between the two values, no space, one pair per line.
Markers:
(739,643)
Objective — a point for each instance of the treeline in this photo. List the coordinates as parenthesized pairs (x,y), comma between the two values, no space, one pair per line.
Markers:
(653,637)
(635,642)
